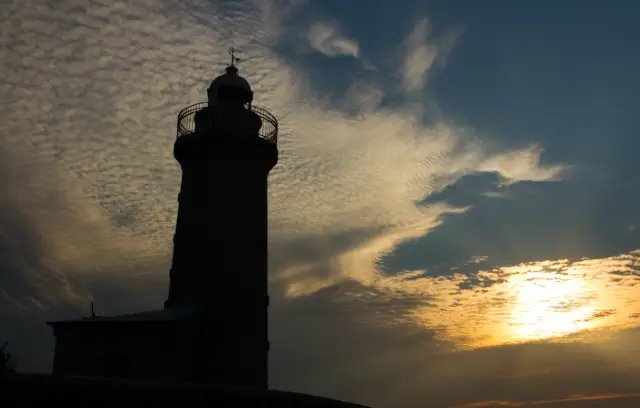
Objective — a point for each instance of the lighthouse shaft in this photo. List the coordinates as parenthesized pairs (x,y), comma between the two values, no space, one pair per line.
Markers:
(220,243)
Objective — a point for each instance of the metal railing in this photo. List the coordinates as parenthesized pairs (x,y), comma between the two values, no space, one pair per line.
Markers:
(268,131)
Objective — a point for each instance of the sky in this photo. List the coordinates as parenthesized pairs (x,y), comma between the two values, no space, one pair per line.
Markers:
(452,220)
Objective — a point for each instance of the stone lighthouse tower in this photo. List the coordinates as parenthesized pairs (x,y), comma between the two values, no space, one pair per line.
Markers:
(226,148)
(213,327)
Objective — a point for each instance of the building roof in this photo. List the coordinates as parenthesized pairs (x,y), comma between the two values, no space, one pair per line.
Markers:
(162,315)
(231,79)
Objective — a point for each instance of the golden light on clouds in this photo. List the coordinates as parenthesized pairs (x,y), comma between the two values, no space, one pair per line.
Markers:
(91,90)
(109,81)
(542,305)
(555,299)
(542,301)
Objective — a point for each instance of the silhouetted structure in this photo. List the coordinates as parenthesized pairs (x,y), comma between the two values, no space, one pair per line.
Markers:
(213,328)
(214,324)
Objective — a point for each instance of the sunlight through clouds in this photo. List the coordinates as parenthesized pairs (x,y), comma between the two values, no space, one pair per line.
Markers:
(558,300)
(91,92)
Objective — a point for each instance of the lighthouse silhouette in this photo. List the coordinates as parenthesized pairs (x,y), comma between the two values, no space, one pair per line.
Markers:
(226,148)
(213,327)
(209,344)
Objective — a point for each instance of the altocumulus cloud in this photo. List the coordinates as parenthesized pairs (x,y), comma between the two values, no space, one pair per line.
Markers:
(91,90)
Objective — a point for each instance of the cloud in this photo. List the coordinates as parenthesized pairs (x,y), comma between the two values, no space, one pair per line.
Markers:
(422,52)
(482,404)
(558,300)
(522,165)
(556,402)
(110,91)
(91,91)
(327,39)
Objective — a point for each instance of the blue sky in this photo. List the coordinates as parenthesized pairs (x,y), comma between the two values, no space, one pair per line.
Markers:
(452,221)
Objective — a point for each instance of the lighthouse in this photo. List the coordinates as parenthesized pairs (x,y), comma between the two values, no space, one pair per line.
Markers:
(226,148)
(208,345)
(213,327)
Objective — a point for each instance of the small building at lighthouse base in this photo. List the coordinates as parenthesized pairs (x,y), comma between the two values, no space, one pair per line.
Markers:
(153,345)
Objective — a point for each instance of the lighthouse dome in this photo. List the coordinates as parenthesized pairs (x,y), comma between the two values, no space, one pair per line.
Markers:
(230,87)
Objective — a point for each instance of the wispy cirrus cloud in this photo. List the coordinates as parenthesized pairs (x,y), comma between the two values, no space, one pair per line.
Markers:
(423,51)
(327,38)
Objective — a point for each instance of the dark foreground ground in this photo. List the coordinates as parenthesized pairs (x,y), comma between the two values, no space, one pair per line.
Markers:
(38,390)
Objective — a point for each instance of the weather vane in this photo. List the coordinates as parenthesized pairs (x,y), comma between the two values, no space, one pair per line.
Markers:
(234,59)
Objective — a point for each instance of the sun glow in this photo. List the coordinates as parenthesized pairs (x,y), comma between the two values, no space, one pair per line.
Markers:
(546,305)
(554,300)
